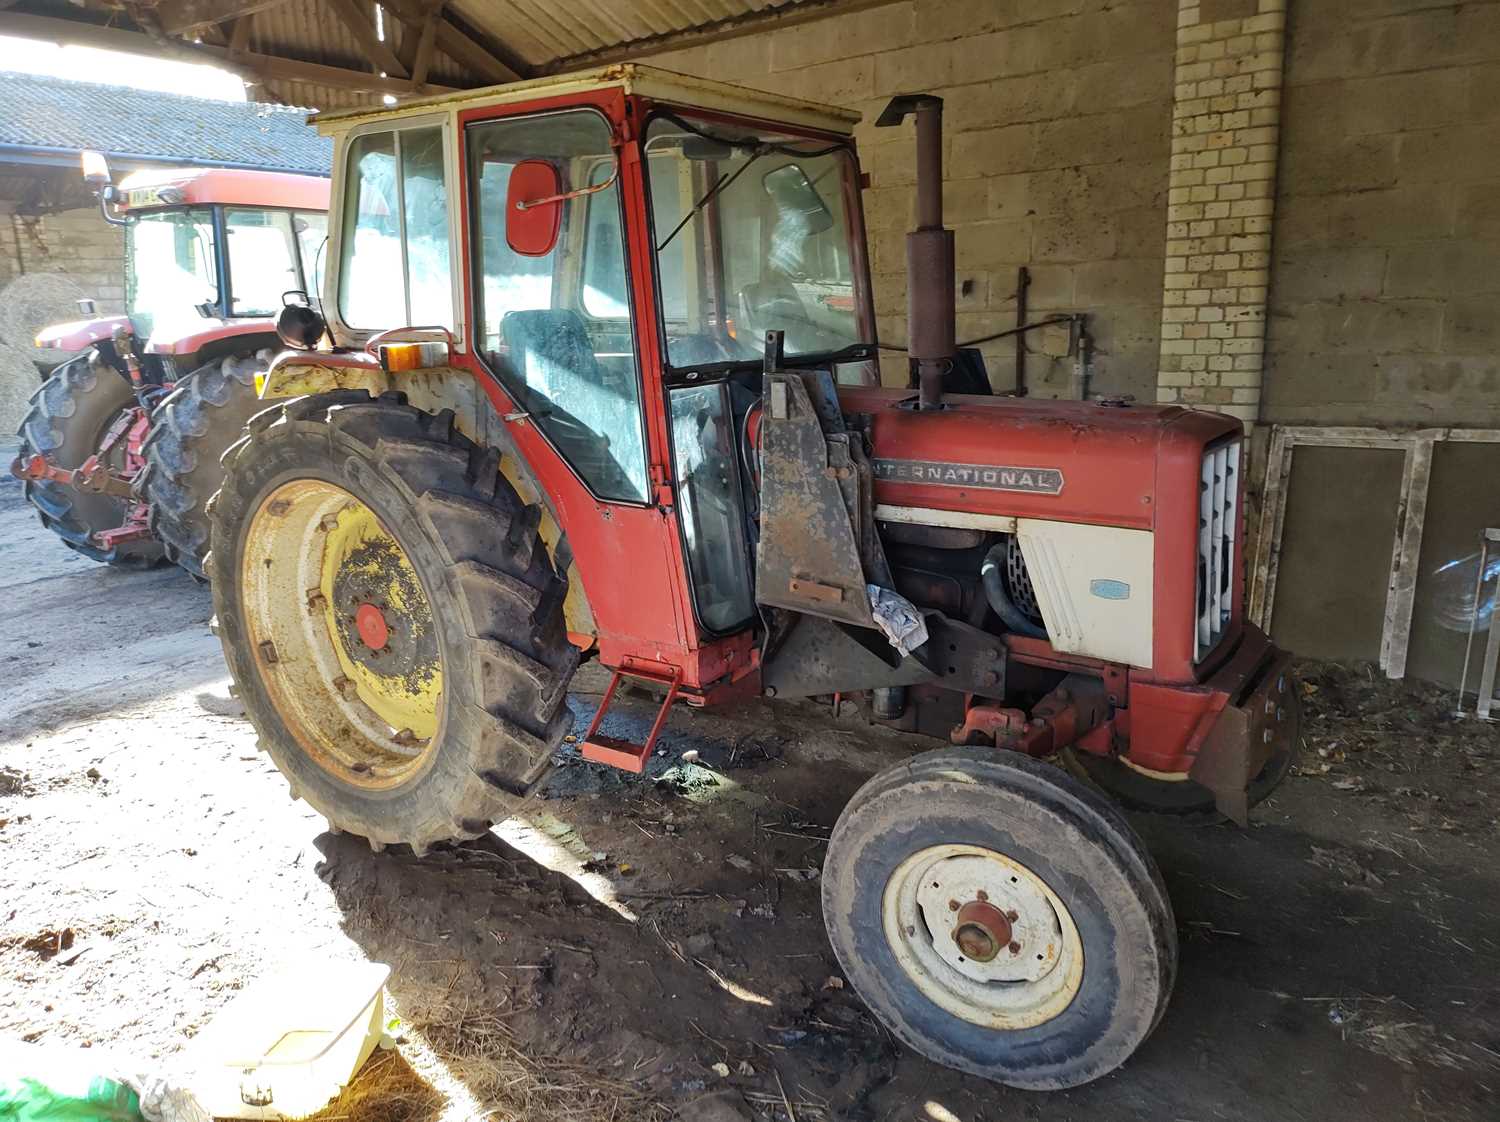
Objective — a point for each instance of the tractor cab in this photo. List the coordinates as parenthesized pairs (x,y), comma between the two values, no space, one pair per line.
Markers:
(606,252)
(209,254)
(211,257)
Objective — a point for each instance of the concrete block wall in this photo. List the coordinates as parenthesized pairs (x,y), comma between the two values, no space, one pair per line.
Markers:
(1385,282)
(1225,118)
(1058,126)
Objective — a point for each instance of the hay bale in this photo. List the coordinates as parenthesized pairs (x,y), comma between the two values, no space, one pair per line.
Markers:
(32,301)
(18,381)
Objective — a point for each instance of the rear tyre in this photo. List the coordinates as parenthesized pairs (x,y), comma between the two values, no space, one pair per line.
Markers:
(202,416)
(69,416)
(1000,918)
(390,615)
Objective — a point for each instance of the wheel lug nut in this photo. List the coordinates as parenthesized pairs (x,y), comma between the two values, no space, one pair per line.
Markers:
(1015,948)
(330,522)
(953,905)
(981,895)
(316,601)
(1012,915)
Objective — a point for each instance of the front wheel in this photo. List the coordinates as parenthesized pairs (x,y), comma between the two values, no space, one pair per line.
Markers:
(390,615)
(1000,918)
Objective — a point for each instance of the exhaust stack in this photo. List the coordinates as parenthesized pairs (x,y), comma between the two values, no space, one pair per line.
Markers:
(930,301)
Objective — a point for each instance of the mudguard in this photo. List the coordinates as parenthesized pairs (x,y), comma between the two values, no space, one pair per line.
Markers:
(296,373)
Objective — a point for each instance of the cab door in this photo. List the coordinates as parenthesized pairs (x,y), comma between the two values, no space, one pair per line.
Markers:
(557,340)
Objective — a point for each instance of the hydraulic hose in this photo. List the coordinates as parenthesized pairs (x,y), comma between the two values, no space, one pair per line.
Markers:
(992,573)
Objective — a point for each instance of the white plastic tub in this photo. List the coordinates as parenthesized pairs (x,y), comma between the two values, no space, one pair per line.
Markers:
(291,1041)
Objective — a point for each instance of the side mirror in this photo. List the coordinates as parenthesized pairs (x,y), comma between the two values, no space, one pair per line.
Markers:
(533,208)
(298,325)
(794,193)
(95,169)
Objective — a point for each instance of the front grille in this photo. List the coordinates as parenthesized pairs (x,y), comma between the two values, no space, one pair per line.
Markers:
(1018,582)
(1218,524)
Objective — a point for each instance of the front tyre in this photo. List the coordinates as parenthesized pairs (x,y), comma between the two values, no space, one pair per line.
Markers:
(1000,918)
(391,618)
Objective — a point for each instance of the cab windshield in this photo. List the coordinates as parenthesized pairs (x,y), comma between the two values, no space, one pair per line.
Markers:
(752,233)
(171,266)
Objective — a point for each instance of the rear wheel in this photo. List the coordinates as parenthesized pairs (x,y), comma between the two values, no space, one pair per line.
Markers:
(202,416)
(391,617)
(1000,918)
(68,419)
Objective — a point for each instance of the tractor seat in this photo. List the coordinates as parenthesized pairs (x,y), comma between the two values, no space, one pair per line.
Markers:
(550,349)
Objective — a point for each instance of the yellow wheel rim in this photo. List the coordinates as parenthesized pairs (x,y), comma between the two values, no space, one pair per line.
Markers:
(367,574)
(343,634)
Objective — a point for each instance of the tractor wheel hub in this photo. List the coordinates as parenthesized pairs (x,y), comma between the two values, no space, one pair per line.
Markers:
(981,930)
(370,622)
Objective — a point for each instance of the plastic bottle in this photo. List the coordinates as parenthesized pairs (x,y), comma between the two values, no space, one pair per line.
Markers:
(1453,593)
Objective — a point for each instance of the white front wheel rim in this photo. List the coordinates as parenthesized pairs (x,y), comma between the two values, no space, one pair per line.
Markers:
(982,936)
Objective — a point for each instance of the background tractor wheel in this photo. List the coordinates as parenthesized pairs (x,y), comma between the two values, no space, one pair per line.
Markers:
(390,615)
(1000,917)
(202,416)
(68,418)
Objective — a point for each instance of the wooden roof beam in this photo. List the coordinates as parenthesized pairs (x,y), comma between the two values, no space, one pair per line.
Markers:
(458,44)
(186,17)
(356,18)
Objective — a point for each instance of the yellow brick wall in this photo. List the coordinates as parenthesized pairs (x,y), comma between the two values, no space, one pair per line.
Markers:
(1226,116)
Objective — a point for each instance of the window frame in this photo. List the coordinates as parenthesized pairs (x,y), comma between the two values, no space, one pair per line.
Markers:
(221,302)
(475,284)
(723,383)
(338,218)
(228,255)
(853,217)
(305,268)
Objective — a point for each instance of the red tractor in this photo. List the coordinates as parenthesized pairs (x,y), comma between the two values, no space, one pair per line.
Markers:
(633,420)
(120,449)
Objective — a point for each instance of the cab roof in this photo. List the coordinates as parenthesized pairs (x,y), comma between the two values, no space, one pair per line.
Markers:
(646,81)
(155,187)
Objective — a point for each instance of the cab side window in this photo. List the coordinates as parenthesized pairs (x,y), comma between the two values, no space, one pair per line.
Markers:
(556,327)
(396,226)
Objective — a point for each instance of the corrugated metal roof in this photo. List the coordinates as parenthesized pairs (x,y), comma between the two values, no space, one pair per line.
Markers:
(478,42)
(544,32)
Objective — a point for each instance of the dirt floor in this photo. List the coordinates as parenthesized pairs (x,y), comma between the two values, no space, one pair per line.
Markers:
(622,943)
